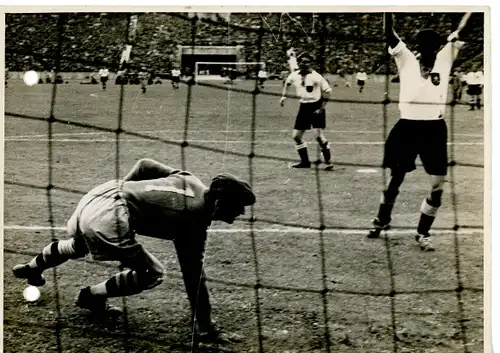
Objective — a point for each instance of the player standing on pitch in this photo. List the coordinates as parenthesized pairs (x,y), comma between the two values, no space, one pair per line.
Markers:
(421,130)
(153,200)
(314,92)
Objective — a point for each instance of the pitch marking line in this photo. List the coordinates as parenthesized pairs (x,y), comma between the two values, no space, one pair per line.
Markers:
(209,131)
(280,230)
(108,140)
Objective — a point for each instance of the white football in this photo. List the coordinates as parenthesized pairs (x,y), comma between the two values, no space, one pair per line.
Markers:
(31,294)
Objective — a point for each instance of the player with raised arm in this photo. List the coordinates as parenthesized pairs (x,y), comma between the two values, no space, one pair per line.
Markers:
(314,92)
(153,200)
(421,129)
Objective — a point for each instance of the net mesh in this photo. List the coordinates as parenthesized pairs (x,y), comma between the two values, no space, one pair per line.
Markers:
(264,38)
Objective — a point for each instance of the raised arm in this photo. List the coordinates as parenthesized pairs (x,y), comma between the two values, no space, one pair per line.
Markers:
(390,35)
(147,169)
(288,83)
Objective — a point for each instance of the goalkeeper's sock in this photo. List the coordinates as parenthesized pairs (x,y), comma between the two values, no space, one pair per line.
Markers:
(122,284)
(53,255)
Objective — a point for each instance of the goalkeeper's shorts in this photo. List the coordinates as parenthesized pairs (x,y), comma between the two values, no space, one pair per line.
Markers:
(102,219)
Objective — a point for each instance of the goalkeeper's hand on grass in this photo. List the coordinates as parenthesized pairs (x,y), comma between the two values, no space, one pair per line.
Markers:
(282,101)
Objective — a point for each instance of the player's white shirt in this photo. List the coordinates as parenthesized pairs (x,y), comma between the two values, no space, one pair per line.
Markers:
(361,76)
(262,74)
(314,80)
(415,91)
(475,78)
(176,73)
(103,72)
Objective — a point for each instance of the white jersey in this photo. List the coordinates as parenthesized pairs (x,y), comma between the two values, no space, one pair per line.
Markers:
(176,73)
(475,78)
(262,74)
(103,72)
(361,76)
(309,87)
(415,91)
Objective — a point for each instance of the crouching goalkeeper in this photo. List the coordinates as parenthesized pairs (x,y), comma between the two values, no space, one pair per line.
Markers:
(152,200)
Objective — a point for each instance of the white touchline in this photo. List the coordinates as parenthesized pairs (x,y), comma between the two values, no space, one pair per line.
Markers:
(272,142)
(466,231)
(213,131)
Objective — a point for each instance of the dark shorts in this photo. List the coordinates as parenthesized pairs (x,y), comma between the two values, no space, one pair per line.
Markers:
(262,79)
(361,82)
(104,79)
(306,117)
(474,90)
(176,78)
(411,138)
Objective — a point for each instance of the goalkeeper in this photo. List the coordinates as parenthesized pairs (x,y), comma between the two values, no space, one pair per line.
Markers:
(153,200)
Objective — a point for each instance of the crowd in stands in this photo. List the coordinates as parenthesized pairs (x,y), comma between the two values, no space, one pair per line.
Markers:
(341,42)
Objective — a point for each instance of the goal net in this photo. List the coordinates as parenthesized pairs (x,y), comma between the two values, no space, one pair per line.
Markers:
(205,70)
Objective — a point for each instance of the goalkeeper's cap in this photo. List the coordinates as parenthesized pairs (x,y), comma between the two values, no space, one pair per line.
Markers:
(227,185)
(429,37)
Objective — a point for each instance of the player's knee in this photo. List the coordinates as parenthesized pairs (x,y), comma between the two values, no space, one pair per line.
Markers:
(297,137)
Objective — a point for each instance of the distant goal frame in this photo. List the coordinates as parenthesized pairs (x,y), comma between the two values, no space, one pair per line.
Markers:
(198,77)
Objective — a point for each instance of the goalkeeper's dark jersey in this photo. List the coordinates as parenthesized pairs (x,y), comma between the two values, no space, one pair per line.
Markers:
(166,207)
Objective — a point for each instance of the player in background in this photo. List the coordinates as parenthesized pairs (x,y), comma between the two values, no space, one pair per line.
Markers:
(175,77)
(342,75)
(104,73)
(457,85)
(292,60)
(314,92)
(152,200)
(421,129)
(361,78)
(143,78)
(262,75)
(475,87)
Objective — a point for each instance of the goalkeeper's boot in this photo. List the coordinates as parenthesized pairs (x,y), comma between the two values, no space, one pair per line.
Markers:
(328,166)
(96,304)
(378,227)
(33,275)
(425,242)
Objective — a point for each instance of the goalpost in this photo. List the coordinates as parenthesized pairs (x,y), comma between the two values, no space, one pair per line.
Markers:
(213,70)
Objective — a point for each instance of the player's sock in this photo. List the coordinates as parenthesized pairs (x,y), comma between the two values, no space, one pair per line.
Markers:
(427,216)
(478,103)
(384,213)
(53,255)
(122,284)
(302,151)
(325,150)
(428,211)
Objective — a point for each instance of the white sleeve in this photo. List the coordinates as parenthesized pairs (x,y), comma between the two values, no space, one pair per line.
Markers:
(325,87)
(449,52)
(289,79)
(401,54)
